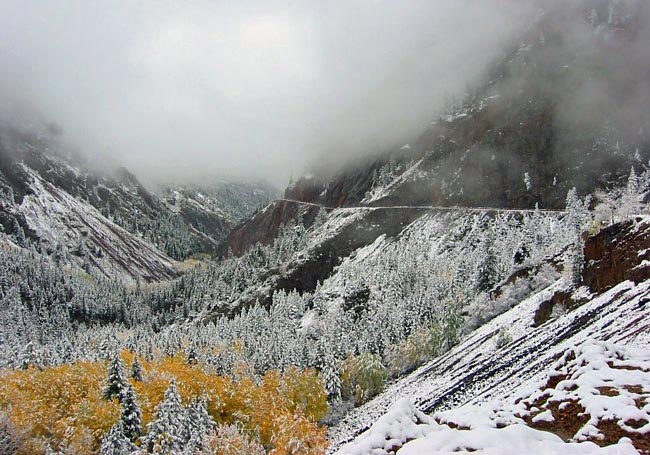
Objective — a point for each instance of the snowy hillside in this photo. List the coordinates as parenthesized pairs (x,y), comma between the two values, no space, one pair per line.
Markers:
(178,230)
(64,223)
(512,351)
(479,370)
(606,382)
(482,286)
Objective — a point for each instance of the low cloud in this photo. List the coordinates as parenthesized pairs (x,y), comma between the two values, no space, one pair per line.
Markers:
(248,89)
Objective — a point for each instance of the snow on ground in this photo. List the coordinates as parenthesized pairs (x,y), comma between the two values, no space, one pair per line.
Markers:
(498,427)
(58,218)
(477,371)
(512,440)
(607,382)
(402,422)
(380,192)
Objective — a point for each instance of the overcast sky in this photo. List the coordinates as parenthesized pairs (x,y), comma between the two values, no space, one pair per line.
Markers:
(258,89)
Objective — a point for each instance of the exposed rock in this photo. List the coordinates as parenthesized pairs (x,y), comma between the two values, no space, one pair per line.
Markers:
(617,253)
(264,226)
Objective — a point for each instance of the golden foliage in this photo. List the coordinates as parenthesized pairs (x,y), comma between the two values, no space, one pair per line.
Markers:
(231,440)
(63,406)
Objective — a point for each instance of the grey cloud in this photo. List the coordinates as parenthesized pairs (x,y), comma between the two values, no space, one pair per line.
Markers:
(255,89)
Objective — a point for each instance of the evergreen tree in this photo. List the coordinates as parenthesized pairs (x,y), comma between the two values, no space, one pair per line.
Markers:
(632,195)
(116,382)
(116,443)
(8,436)
(18,233)
(330,372)
(167,432)
(452,324)
(131,415)
(577,217)
(486,276)
(577,263)
(198,422)
(136,370)
(28,356)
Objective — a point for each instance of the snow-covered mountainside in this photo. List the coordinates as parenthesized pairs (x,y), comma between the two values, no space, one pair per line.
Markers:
(513,353)
(512,141)
(63,223)
(177,229)
(106,220)
(597,392)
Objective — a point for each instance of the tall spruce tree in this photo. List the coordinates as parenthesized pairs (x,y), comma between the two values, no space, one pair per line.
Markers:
(167,432)
(486,274)
(116,381)
(116,443)
(198,422)
(131,415)
(136,370)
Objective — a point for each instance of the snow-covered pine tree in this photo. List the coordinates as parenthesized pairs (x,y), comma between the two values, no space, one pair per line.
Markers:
(486,274)
(28,356)
(8,436)
(167,432)
(131,415)
(198,422)
(577,215)
(452,322)
(18,233)
(116,443)
(136,370)
(116,381)
(330,372)
(630,202)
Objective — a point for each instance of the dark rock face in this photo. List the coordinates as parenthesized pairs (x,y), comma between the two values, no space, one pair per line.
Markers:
(264,226)
(618,253)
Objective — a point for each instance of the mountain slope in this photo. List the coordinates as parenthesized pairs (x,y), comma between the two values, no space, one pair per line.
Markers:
(117,195)
(59,222)
(553,113)
(481,368)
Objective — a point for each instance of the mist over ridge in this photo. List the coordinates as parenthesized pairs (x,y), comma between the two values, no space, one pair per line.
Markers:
(267,90)
(243,89)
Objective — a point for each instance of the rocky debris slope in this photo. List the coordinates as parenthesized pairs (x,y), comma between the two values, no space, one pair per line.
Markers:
(595,401)
(479,369)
